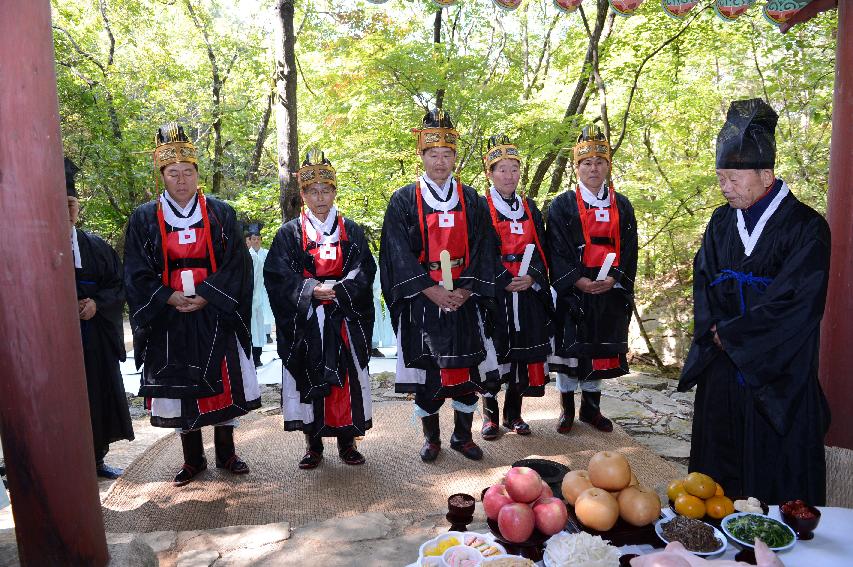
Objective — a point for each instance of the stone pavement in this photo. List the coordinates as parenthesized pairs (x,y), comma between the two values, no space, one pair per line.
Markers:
(644,404)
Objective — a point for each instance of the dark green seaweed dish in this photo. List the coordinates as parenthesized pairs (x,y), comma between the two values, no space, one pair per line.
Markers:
(770,531)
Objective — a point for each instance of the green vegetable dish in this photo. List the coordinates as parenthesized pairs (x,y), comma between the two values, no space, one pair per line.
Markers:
(749,527)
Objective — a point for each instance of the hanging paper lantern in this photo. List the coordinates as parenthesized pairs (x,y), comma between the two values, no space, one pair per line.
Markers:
(730,10)
(678,9)
(507,4)
(778,12)
(567,6)
(625,7)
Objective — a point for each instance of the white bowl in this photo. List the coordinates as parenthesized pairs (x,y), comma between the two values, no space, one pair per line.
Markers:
(460,536)
(725,526)
(465,551)
(717,534)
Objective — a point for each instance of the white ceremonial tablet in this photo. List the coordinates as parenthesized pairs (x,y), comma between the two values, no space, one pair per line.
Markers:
(445,220)
(605,268)
(328,252)
(602,215)
(516,228)
(188,283)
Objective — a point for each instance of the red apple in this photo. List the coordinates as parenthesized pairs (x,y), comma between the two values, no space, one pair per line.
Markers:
(523,484)
(546,491)
(496,497)
(516,522)
(550,515)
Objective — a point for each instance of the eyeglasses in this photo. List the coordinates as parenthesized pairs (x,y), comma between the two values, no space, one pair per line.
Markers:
(314,193)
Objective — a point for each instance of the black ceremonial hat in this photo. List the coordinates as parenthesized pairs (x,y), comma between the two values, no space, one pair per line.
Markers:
(748,138)
(254,229)
(71,170)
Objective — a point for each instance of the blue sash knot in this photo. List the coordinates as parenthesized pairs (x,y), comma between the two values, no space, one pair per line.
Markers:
(758,282)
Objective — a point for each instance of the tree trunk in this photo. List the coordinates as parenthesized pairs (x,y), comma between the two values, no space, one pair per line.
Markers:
(263,130)
(652,352)
(570,115)
(285,110)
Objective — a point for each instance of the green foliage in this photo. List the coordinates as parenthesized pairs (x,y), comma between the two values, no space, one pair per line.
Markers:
(368,73)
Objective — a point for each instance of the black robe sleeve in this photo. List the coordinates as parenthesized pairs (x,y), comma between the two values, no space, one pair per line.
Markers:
(563,243)
(143,268)
(626,272)
(108,295)
(290,293)
(479,276)
(231,286)
(401,274)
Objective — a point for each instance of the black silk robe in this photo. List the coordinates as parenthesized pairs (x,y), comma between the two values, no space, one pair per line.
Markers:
(182,353)
(317,364)
(535,308)
(760,414)
(431,339)
(590,326)
(100,279)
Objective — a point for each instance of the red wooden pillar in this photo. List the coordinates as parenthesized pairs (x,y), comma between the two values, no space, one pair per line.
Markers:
(837,329)
(44,410)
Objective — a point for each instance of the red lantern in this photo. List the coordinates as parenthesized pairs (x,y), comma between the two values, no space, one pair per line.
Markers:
(777,12)
(678,9)
(625,7)
(567,6)
(730,10)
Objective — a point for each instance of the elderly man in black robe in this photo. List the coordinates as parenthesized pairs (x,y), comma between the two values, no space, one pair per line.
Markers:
(319,275)
(436,265)
(188,277)
(759,288)
(100,298)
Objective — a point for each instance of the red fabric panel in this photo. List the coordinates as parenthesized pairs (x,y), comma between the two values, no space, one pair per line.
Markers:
(219,401)
(605,363)
(454,376)
(337,406)
(536,374)
(177,251)
(452,239)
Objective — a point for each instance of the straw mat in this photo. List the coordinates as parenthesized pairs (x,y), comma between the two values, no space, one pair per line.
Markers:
(394,481)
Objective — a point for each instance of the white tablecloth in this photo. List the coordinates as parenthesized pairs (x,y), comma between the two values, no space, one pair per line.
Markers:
(832,544)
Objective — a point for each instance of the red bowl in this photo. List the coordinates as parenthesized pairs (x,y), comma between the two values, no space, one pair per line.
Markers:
(802,526)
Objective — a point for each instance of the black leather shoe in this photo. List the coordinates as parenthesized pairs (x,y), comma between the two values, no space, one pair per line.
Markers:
(519,426)
(189,472)
(106,471)
(567,416)
(469,449)
(351,456)
(311,460)
(591,412)
(599,422)
(490,431)
(233,465)
(429,452)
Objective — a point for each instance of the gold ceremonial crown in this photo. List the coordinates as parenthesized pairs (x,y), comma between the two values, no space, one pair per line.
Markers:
(316,169)
(498,148)
(172,146)
(595,145)
(437,132)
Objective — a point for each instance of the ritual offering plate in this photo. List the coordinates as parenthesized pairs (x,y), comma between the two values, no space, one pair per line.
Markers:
(743,528)
(531,548)
(459,549)
(622,533)
(696,536)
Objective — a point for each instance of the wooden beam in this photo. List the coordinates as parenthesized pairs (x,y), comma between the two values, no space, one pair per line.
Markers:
(44,407)
(837,328)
